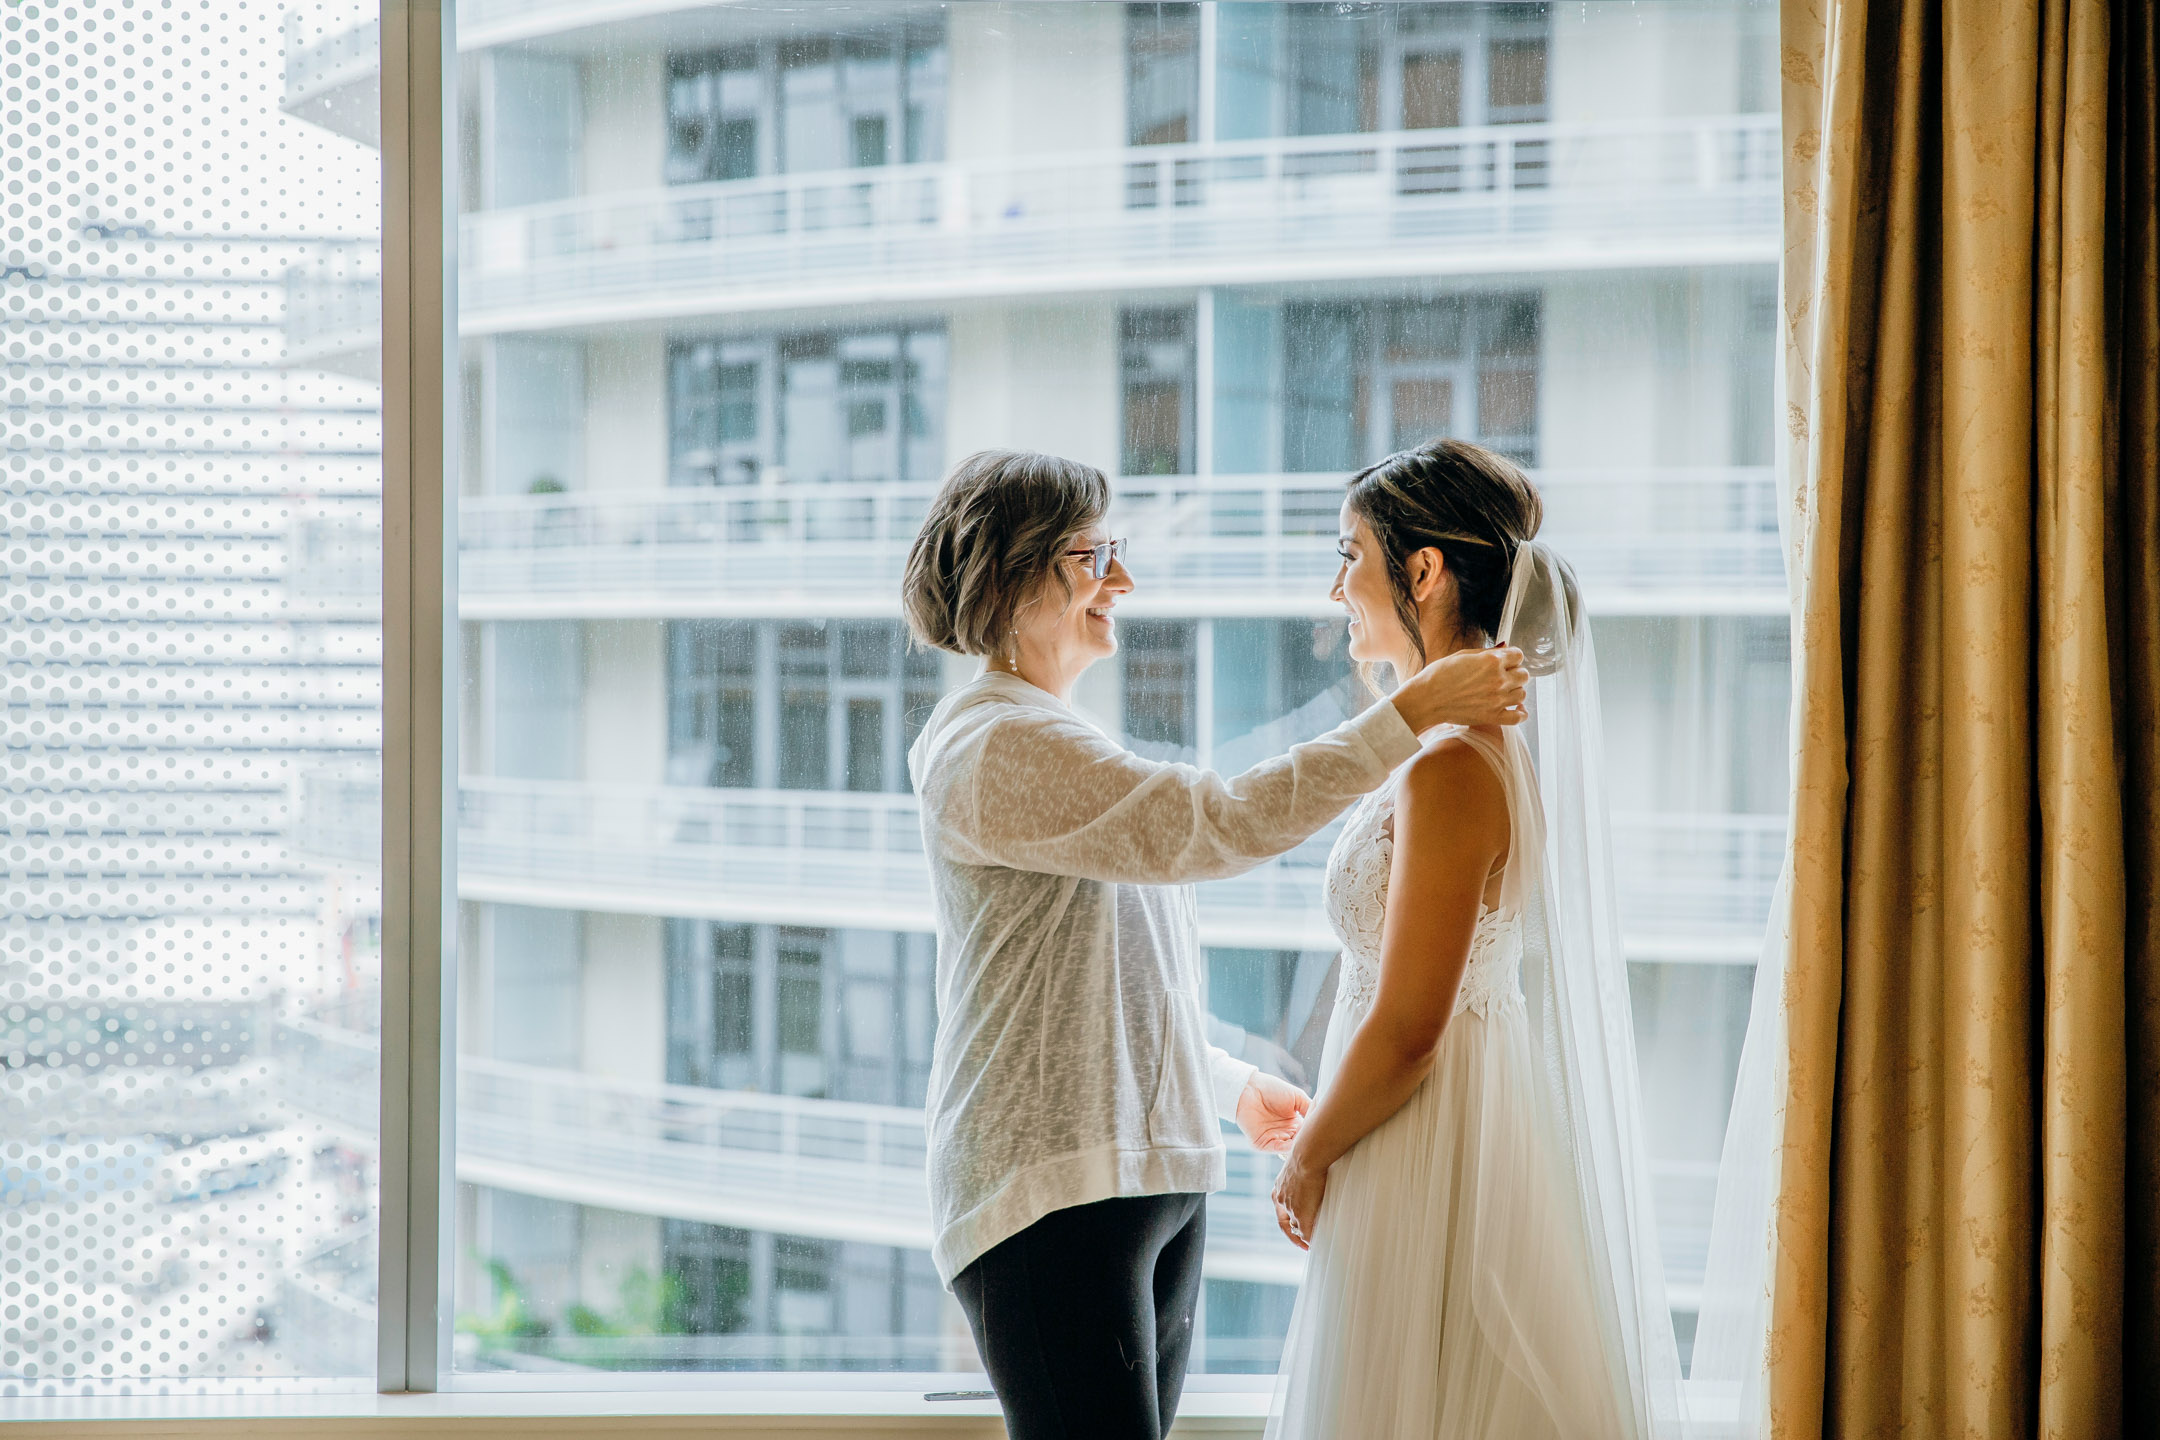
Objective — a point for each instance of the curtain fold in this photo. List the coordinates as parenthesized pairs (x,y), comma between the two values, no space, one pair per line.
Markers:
(1962,1242)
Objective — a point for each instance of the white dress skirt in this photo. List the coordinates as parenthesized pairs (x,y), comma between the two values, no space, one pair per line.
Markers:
(1448,1291)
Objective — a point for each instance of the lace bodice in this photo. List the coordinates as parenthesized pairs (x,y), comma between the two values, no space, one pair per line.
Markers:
(1356,903)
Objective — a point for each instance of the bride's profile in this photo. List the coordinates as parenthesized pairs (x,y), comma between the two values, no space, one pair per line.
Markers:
(1470,1182)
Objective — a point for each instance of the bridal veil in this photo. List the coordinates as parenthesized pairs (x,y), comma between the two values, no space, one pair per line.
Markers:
(1575,983)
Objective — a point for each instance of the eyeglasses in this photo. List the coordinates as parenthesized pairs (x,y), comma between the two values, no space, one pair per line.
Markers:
(1100,556)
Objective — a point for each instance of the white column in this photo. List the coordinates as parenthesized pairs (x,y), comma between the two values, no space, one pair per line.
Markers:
(625,102)
(625,997)
(1204,122)
(1036,377)
(1204,378)
(626,412)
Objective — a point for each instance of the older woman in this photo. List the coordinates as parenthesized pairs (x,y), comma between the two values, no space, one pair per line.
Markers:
(1074,1098)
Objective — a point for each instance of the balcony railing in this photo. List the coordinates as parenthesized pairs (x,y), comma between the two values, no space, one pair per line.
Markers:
(823,1168)
(1508,197)
(796,1165)
(1692,540)
(1691,886)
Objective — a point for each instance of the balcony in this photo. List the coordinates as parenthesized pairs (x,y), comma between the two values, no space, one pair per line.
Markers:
(818,1168)
(1497,199)
(852,861)
(1692,887)
(331,78)
(1643,542)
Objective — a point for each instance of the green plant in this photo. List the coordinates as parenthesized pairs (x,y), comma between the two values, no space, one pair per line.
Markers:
(644,1305)
(510,1319)
(546,485)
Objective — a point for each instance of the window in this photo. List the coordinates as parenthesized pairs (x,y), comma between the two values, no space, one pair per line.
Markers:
(818,407)
(1161,672)
(807,103)
(1361,380)
(749,397)
(737,284)
(1162,74)
(192,937)
(851,695)
(1158,372)
(1309,70)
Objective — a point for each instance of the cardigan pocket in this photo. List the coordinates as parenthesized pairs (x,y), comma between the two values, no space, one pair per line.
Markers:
(1182,1116)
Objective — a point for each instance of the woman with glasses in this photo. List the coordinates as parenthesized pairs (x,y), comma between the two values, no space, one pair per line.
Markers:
(1074,1099)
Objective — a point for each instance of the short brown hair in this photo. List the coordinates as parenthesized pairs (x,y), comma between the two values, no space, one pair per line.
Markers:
(995,533)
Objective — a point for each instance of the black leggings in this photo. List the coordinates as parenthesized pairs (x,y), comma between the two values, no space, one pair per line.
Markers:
(1085,1319)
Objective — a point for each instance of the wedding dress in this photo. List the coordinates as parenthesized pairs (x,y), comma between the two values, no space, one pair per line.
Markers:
(1484,1262)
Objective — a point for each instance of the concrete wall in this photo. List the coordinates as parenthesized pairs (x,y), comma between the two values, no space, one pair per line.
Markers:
(1035,79)
(1689,57)
(626,417)
(1036,377)
(625,720)
(625,997)
(1647,369)
(625,103)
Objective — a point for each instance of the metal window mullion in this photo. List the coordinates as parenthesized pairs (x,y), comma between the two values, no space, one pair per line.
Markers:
(418,1170)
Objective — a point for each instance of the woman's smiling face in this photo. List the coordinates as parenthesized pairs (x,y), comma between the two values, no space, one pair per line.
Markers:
(1075,636)
(1362,588)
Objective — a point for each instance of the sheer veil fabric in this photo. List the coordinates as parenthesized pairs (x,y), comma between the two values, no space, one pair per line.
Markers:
(1487,1262)
(1575,974)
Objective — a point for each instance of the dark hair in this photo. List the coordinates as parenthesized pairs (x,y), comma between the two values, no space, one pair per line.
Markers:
(995,533)
(1472,505)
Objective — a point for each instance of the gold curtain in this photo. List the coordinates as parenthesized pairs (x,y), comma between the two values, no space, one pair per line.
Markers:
(1970,1155)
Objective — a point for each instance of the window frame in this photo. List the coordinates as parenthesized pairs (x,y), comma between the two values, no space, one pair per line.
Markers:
(417,1201)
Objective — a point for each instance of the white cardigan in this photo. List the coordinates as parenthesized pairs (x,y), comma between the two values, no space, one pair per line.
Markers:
(1071,1062)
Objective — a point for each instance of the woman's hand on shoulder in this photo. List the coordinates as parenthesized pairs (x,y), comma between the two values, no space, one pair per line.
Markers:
(1469,687)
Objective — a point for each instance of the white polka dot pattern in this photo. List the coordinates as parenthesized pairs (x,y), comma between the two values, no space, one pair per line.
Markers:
(190,522)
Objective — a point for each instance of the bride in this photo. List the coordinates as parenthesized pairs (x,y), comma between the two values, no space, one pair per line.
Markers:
(1470,1182)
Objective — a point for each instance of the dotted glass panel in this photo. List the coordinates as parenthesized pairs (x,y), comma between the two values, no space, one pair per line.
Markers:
(190,524)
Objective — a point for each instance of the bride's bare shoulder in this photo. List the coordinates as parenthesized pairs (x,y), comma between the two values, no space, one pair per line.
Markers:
(1450,782)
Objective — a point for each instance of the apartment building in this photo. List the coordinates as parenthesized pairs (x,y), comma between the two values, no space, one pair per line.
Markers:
(739,282)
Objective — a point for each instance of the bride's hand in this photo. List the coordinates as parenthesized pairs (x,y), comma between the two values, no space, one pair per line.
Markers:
(1469,687)
(1269,1111)
(1298,1192)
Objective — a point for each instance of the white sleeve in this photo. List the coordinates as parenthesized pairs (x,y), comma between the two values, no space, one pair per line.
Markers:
(1052,794)
(1228,1075)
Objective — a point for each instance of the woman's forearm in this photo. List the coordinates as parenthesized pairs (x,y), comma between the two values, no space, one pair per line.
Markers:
(1380,1071)
(1057,797)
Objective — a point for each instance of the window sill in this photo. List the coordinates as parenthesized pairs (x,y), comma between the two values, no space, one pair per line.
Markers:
(738,1414)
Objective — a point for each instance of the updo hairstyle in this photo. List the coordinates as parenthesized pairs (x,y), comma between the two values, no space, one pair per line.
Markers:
(1474,506)
(994,537)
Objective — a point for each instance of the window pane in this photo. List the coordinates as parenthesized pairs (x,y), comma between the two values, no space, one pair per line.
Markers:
(191,940)
(741,282)
(1162,85)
